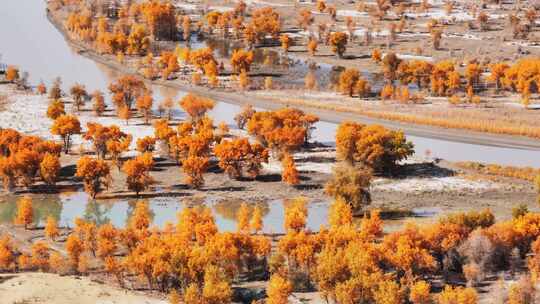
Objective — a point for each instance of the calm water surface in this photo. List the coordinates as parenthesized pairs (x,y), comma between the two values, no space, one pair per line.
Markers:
(66,207)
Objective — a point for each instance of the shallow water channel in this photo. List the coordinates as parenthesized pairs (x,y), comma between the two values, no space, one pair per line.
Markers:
(67,207)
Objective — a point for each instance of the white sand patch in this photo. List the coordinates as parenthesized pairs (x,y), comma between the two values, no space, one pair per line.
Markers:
(266,3)
(320,94)
(462,36)
(221,9)
(412,57)
(451,183)
(524,44)
(441,15)
(351,13)
(317,160)
(187,6)
(272,167)
(52,288)
(458,15)
(412,34)
(362,32)
(33,120)
(25,113)
(297,35)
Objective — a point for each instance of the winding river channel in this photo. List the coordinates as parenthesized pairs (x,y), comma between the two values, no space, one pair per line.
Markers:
(31,42)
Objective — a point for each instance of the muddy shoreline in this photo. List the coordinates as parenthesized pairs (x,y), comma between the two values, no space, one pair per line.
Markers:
(334,115)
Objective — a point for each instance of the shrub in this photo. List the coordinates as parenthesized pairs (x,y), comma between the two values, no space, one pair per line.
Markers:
(351,185)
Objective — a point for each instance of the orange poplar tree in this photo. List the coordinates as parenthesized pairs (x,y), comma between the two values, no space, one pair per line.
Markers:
(66,126)
(279,289)
(12,74)
(107,236)
(7,253)
(49,169)
(256,221)
(40,255)
(56,109)
(146,144)
(126,90)
(41,88)
(196,106)
(348,80)
(194,167)
(144,105)
(338,41)
(290,174)
(95,174)
(79,94)
(138,172)
(286,42)
(99,102)
(74,248)
(238,155)
(241,60)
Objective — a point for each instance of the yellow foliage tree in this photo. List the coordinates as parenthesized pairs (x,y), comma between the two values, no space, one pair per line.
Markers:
(279,289)
(290,174)
(338,41)
(56,109)
(49,169)
(138,172)
(66,126)
(95,174)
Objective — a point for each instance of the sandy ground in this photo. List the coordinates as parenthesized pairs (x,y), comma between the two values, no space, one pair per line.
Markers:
(34,121)
(45,288)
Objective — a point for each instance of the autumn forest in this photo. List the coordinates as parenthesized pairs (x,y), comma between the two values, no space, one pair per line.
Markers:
(287,151)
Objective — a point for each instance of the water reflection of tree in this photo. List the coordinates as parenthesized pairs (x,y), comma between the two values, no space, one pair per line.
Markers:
(131,208)
(97,212)
(44,205)
(229,208)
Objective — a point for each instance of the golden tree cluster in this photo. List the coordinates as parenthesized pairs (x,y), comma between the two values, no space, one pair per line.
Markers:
(24,158)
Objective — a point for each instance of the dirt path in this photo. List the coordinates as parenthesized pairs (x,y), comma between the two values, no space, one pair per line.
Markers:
(46,288)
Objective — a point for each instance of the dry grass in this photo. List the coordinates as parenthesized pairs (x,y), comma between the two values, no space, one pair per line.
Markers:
(495,121)
(524,173)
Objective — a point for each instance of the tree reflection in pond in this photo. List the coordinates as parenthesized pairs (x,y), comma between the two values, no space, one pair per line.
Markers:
(131,207)
(68,206)
(228,209)
(44,205)
(96,212)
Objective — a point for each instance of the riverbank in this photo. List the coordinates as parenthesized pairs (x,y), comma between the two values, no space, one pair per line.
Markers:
(328,112)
